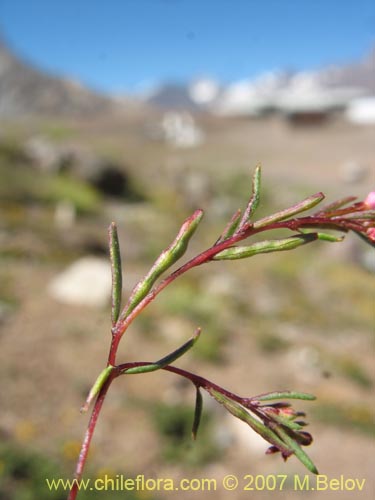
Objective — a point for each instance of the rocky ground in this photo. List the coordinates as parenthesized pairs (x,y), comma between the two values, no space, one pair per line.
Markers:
(300,320)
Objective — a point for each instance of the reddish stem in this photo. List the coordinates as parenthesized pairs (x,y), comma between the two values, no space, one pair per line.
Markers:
(207,255)
(197,380)
(88,437)
(318,221)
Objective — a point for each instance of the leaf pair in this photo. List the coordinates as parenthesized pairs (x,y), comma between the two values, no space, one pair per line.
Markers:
(144,367)
(165,260)
(238,221)
(281,432)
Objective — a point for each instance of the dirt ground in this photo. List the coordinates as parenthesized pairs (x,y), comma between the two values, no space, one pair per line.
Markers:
(317,303)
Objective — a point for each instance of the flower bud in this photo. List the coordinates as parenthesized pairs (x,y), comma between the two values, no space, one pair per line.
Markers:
(370,201)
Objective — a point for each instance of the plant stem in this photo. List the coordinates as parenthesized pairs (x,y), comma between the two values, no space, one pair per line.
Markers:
(332,217)
(197,380)
(88,437)
(317,222)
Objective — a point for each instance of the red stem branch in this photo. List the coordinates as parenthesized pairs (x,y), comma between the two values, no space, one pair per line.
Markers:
(319,221)
(88,437)
(197,380)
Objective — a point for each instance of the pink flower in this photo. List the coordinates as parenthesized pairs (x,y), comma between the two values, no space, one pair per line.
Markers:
(370,200)
(371,233)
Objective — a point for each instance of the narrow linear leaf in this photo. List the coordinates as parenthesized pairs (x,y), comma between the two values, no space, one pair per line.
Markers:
(240,412)
(331,238)
(197,413)
(165,260)
(269,396)
(287,422)
(302,206)
(268,246)
(331,207)
(231,227)
(325,236)
(98,384)
(167,360)
(297,450)
(114,251)
(368,215)
(255,197)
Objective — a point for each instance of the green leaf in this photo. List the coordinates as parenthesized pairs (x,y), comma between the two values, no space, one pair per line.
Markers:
(326,236)
(330,237)
(287,422)
(267,246)
(237,222)
(165,260)
(98,384)
(368,215)
(240,412)
(197,413)
(231,227)
(302,206)
(276,436)
(114,251)
(167,360)
(328,209)
(269,396)
(255,197)
(297,450)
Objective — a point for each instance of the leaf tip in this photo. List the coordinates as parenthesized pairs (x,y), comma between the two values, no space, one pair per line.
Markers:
(84,408)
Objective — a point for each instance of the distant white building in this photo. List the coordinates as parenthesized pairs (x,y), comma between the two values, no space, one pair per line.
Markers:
(305,92)
(361,111)
(302,97)
(204,91)
(180,130)
(251,97)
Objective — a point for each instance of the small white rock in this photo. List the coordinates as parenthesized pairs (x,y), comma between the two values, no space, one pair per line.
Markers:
(85,282)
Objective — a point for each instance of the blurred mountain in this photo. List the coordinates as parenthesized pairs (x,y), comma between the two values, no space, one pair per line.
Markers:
(330,88)
(360,74)
(252,96)
(25,90)
(172,96)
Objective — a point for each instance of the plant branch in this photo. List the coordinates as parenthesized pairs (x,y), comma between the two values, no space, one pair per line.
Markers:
(88,436)
(312,222)
(275,422)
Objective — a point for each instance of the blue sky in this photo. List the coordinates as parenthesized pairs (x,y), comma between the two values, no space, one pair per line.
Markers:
(120,45)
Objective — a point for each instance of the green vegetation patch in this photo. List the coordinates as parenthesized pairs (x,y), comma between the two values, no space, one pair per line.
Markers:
(174,424)
(24,185)
(186,300)
(356,417)
(23,475)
